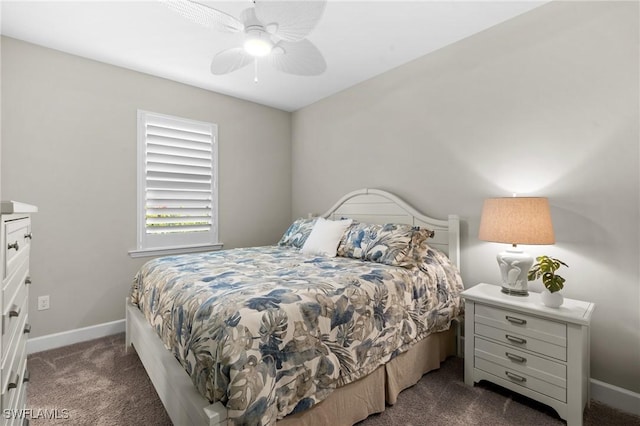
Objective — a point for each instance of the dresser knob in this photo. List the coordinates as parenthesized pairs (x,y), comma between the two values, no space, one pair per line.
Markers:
(13,246)
(515,377)
(29,235)
(515,339)
(13,384)
(27,329)
(25,379)
(515,320)
(27,280)
(516,358)
(14,311)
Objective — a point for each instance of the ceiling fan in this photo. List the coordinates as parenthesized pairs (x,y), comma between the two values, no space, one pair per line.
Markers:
(273,30)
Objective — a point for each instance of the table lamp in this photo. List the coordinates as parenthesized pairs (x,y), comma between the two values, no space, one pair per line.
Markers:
(516,220)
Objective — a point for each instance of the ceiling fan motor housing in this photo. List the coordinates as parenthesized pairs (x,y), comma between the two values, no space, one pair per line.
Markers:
(257,42)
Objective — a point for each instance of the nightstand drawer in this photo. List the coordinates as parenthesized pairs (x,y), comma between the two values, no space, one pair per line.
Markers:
(520,379)
(528,325)
(520,341)
(546,370)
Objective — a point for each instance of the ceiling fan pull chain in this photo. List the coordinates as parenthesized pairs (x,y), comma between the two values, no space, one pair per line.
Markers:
(255,69)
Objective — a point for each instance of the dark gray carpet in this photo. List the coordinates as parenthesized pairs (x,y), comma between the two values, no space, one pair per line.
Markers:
(96,383)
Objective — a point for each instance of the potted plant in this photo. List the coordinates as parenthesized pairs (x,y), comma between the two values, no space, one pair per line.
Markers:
(546,268)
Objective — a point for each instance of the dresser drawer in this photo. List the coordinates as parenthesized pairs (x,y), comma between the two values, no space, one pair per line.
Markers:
(13,372)
(521,379)
(14,284)
(546,370)
(15,397)
(20,418)
(14,325)
(527,325)
(13,287)
(17,240)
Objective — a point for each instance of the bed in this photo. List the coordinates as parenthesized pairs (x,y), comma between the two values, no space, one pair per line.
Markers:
(278,333)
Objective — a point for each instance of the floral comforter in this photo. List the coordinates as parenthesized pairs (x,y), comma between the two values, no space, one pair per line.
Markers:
(270,331)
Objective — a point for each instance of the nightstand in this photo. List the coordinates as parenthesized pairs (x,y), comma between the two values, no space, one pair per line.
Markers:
(522,345)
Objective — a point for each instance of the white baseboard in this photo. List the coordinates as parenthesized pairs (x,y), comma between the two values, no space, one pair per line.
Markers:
(57,340)
(616,397)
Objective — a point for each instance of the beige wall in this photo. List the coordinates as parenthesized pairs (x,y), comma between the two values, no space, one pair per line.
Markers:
(69,130)
(545,104)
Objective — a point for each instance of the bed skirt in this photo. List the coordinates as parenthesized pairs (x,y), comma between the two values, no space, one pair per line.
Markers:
(356,401)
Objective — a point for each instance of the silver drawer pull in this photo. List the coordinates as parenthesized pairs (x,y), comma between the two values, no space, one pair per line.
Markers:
(14,311)
(515,320)
(516,358)
(13,246)
(13,384)
(27,329)
(27,280)
(515,377)
(515,339)
(29,235)
(25,379)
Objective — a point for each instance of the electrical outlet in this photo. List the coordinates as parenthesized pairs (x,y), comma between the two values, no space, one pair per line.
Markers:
(43,302)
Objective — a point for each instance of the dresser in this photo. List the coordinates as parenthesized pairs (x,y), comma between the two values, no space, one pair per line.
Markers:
(520,344)
(15,242)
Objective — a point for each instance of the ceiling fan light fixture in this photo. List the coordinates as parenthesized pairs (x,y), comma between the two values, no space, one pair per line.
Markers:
(258,44)
(276,30)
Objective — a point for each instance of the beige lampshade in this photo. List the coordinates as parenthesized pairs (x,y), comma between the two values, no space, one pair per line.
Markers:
(516,220)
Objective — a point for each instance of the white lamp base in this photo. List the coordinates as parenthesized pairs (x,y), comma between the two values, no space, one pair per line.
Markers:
(514,267)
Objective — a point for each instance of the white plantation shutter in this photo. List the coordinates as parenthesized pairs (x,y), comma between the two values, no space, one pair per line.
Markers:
(177,196)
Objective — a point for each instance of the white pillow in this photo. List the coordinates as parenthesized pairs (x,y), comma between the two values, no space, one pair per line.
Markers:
(325,237)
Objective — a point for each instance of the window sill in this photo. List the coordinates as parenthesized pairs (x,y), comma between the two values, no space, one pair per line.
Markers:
(174,250)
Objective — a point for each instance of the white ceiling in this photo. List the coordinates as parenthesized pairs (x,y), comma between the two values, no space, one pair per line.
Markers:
(359,39)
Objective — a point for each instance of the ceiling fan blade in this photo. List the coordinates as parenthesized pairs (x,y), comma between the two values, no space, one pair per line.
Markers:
(293,20)
(299,58)
(205,16)
(230,60)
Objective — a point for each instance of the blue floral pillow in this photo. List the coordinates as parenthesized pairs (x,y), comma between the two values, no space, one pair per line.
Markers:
(297,233)
(389,244)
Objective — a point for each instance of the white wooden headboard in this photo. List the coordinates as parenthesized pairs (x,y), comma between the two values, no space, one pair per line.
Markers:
(377,206)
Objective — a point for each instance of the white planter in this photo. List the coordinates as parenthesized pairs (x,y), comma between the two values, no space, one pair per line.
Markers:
(552,300)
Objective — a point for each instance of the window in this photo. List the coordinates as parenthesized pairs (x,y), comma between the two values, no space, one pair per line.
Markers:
(177,183)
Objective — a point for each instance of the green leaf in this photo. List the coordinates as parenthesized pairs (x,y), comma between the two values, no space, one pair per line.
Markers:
(545,268)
